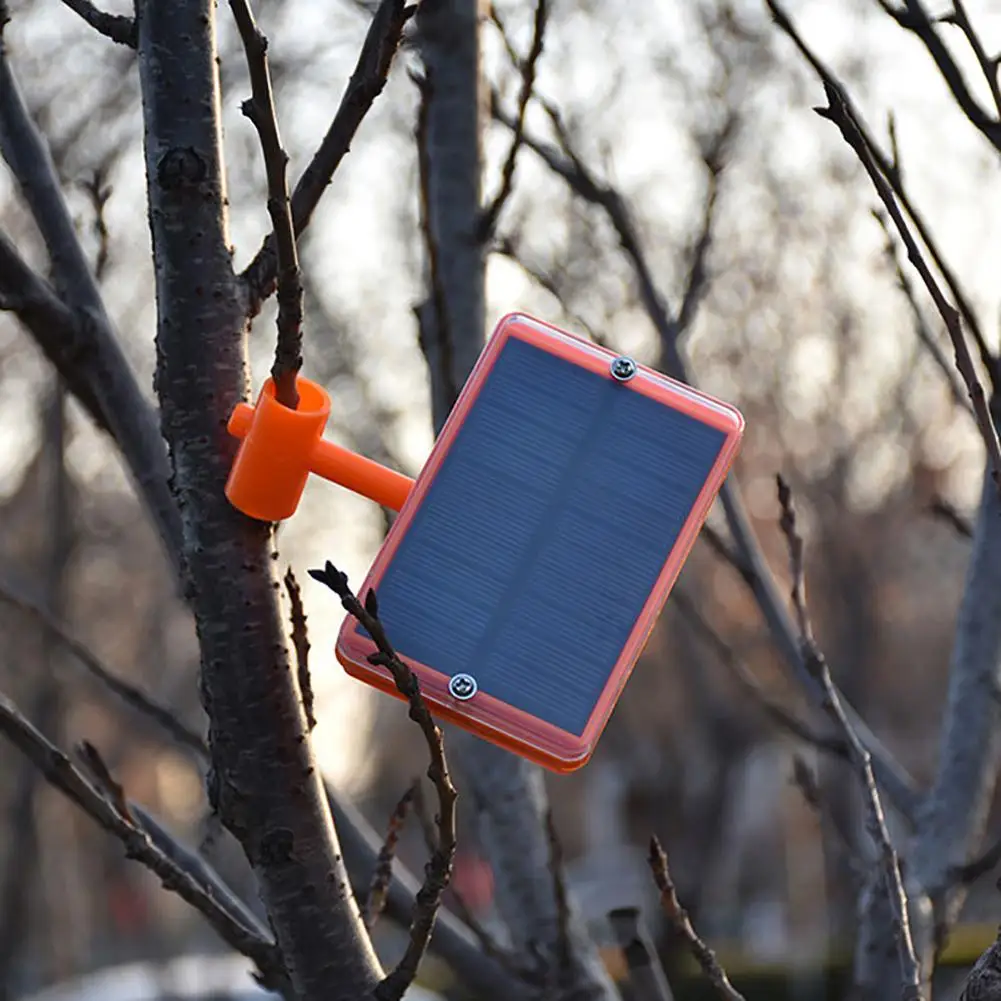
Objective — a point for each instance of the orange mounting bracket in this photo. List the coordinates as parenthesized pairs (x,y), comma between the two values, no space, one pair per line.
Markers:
(281,447)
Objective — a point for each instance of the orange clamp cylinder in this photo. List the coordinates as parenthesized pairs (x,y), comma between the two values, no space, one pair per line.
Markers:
(281,447)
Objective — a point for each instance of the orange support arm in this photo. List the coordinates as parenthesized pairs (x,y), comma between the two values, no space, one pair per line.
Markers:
(281,447)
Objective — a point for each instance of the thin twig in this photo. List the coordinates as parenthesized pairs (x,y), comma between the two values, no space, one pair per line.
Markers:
(750,561)
(530,974)
(366,84)
(99,192)
(840,112)
(579,177)
(771,707)
(980,866)
(67,778)
(199,868)
(260,109)
(682,925)
(438,870)
(956,388)
(988,66)
(117,27)
(96,359)
(129,694)
(486,975)
(806,781)
(105,781)
(300,641)
(488,222)
(941,508)
(875,818)
(382,874)
(714,158)
(914,18)
(506,247)
(891,170)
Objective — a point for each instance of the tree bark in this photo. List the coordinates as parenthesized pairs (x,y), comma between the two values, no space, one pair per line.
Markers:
(953,817)
(452,319)
(511,803)
(264,781)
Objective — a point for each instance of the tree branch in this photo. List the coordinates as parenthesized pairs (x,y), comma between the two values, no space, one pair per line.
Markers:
(60,772)
(489,976)
(117,27)
(956,388)
(510,789)
(945,511)
(979,866)
(366,84)
(988,66)
(956,807)
(491,214)
(99,193)
(682,925)
(562,967)
(715,153)
(583,182)
(260,109)
(264,783)
(52,325)
(300,641)
(778,713)
(96,359)
(439,868)
(891,169)
(750,559)
(842,114)
(875,819)
(915,19)
(129,694)
(200,869)
(382,872)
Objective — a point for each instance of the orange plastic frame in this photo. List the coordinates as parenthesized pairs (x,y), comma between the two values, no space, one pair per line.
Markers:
(484,715)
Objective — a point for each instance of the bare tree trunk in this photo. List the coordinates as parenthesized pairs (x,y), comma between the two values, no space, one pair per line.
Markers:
(954,815)
(507,790)
(452,319)
(510,799)
(264,781)
(17,909)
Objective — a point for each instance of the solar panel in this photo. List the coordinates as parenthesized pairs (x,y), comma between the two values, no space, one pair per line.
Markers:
(530,562)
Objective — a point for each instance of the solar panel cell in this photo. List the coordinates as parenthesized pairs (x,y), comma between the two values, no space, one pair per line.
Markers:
(533,556)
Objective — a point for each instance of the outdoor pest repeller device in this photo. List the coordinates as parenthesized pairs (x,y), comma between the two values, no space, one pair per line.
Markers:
(535,550)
